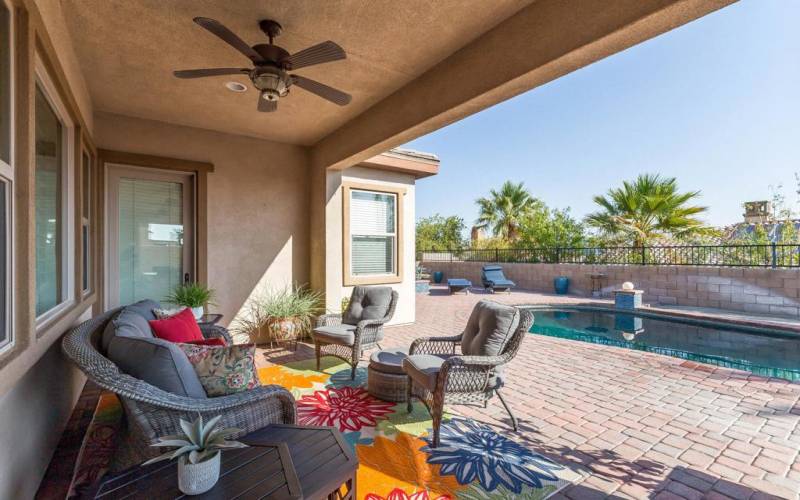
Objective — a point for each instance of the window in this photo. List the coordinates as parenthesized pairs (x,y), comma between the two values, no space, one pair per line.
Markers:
(372,222)
(86,215)
(6,172)
(54,210)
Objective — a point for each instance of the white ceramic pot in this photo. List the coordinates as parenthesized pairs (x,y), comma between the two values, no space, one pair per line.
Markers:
(194,479)
(198,312)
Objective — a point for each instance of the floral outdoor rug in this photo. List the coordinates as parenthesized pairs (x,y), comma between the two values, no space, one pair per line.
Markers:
(396,460)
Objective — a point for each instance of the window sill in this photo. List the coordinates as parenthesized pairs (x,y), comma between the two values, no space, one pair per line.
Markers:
(372,280)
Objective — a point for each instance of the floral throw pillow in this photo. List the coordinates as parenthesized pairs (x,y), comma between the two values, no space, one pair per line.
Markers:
(167,313)
(223,370)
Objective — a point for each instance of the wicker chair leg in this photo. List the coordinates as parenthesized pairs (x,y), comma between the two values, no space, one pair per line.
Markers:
(353,371)
(436,414)
(317,349)
(409,395)
(508,409)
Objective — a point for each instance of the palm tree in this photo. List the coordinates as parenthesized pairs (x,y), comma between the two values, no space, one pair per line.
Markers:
(648,208)
(502,212)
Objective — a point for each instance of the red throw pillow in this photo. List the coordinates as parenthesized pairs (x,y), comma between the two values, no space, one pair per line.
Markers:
(212,342)
(179,328)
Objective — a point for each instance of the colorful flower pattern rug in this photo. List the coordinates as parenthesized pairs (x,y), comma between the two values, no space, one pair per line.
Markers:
(396,459)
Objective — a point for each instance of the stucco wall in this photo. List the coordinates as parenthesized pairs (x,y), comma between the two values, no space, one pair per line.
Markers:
(756,290)
(257,202)
(334,288)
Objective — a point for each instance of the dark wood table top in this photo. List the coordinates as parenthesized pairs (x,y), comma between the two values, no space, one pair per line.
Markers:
(282,462)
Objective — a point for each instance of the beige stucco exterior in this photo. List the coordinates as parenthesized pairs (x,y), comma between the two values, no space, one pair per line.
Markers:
(274,197)
(335,289)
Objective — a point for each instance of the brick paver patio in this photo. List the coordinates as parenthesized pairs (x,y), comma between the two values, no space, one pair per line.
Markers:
(638,425)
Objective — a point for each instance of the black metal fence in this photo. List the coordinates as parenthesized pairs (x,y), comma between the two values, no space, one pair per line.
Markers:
(771,255)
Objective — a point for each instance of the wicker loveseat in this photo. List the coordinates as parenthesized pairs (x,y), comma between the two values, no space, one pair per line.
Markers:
(151,412)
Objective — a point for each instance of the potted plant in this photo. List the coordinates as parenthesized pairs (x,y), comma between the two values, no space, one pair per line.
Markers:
(192,295)
(423,276)
(283,314)
(198,453)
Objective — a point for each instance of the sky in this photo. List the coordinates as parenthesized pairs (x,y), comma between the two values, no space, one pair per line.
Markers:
(714,103)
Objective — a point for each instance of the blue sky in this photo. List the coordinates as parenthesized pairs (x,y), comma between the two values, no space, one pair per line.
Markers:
(715,103)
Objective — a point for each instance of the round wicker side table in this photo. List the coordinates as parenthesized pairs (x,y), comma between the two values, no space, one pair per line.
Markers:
(386,379)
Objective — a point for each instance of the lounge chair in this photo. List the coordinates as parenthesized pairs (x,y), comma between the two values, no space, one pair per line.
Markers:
(494,279)
(457,285)
(438,375)
(360,327)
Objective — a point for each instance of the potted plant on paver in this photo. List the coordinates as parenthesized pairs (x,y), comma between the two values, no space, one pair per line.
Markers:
(192,295)
(423,276)
(284,314)
(198,453)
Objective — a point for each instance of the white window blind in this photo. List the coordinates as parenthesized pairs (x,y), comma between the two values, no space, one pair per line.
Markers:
(372,233)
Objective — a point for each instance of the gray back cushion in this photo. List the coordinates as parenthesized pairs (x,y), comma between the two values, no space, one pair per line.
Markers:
(489,328)
(367,303)
(157,362)
(131,321)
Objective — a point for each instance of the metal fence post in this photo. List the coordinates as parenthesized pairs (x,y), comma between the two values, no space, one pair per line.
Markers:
(558,255)
(774,255)
(643,255)
(496,255)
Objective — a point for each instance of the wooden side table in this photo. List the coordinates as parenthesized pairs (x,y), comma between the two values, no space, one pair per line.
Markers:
(281,462)
(265,470)
(209,319)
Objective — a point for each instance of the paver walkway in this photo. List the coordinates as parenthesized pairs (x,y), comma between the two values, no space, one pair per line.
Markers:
(639,425)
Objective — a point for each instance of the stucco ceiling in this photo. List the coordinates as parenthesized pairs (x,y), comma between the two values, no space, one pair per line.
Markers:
(128,50)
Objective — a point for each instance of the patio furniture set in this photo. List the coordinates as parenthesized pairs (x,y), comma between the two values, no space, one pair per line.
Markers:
(158,387)
(492,279)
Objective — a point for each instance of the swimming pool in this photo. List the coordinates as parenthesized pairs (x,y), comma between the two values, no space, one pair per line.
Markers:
(763,351)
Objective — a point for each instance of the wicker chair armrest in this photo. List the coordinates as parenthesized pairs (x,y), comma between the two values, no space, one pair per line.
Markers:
(370,323)
(329,320)
(467,373)
(435,345)
(211,331)
(230,402)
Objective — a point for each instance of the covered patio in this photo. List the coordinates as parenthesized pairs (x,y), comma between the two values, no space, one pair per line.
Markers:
(120,181)
(629,424)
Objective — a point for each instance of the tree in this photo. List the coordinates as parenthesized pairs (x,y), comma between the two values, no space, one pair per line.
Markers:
(545,227)
(503,211)
(440,233)
(648,208)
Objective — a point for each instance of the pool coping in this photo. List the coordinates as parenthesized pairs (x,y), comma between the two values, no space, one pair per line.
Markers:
(750,322)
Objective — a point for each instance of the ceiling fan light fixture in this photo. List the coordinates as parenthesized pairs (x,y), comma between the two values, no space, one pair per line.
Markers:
(236,87)
(270,95)
(272,81)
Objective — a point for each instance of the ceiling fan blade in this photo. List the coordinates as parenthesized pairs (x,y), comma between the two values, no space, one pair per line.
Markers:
(228,37)
(266,106)
(317,54)
(200,73)
(322,90)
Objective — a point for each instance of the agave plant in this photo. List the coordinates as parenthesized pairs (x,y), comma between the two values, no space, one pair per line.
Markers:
(198,442)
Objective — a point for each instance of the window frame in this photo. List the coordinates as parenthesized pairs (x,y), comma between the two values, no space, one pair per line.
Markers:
(7,178)
(45,82)
(347,235)
(88,255)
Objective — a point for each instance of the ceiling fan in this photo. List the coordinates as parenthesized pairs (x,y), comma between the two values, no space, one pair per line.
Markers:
(271,65)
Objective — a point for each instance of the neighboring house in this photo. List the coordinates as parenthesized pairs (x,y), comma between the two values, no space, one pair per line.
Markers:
(118,180)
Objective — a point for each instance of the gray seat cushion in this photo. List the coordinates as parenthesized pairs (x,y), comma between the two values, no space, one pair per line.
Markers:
(131,321)
(158,362)
(424,369)
(368,303)
(340,334)
(389,360)
(489,328)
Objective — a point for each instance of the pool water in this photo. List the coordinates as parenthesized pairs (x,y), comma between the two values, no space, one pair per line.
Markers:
(763,351)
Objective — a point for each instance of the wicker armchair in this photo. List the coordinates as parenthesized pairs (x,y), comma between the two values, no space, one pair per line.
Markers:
(438,375)
(349,344)
(151,412)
